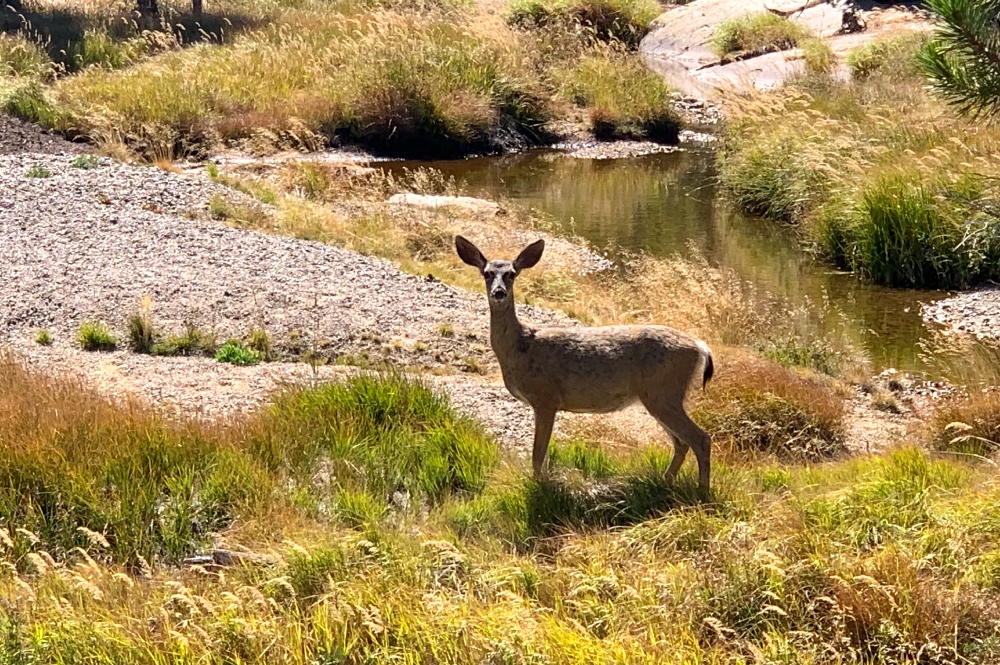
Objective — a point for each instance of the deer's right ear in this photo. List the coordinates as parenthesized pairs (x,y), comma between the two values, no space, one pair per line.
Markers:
(469,253)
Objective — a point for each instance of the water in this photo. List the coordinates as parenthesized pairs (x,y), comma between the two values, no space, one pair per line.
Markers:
(667,204)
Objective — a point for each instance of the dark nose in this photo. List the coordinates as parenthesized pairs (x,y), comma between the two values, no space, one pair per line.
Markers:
(499,294)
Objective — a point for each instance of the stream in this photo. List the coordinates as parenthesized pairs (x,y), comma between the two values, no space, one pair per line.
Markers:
(665,204)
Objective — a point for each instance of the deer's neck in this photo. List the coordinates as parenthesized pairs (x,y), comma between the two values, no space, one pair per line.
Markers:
(505,329)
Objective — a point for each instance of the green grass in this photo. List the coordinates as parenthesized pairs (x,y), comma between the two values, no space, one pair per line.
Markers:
(893,58)
(625,100)
(623,21)
(191,342)
(872,559)
(755,34)
(875,174)
(235,352)
(96,336)
(43,338)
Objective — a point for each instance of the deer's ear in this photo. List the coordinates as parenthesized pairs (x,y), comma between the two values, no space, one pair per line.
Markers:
(469,253)
(529,256)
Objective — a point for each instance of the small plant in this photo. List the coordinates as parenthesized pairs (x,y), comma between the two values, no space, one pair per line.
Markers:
(96,336)
(213,170)
(37,171)
(755,34)
(140,328)
(818,56)
(192,342)
(235,352)
(260,342)
(44,338)
(446,330)
(85,162)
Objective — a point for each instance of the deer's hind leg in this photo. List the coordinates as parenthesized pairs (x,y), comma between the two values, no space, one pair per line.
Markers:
(669,412)
(544,420)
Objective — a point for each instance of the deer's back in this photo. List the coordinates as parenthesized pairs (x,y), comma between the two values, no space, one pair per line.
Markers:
(599,368)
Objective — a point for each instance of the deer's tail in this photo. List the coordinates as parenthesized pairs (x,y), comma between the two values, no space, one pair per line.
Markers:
(706,363)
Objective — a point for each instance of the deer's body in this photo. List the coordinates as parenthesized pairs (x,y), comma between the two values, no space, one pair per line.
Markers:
(592,369)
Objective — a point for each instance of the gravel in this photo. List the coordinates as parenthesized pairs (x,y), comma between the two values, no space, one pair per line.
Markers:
(974,313)
(17,136)
(88,244)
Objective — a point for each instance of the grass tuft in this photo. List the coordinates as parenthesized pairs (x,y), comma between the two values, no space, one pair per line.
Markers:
(622,21)
(756,34)
(96,336)
(43,338)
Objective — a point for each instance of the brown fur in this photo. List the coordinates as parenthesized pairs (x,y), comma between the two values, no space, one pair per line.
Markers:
(592,369)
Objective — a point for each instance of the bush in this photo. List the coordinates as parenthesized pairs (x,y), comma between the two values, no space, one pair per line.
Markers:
(625,99)
(755,34)
(623,21)
(96,336)
(760,407)
(235,353)
(894,58)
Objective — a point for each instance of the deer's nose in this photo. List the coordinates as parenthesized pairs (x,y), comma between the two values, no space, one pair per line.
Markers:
(499,294)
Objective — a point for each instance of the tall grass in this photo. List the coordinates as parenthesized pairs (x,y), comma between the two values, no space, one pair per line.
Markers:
(622,21)
(886,559)
(435,87)
(625,99)
(879,176)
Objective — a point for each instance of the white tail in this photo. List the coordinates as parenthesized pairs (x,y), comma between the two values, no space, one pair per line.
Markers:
(592,369)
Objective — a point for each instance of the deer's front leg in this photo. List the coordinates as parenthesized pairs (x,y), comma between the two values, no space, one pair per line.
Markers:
(544,420)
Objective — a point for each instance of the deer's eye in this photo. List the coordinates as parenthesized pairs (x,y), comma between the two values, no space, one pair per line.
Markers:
(489,274)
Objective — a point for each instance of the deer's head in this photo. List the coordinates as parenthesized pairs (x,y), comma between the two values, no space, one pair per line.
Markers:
(499,274)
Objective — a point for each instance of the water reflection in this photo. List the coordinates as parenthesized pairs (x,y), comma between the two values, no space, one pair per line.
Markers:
(666,204)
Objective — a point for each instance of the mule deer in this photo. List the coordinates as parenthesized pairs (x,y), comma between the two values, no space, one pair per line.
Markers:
(592,369)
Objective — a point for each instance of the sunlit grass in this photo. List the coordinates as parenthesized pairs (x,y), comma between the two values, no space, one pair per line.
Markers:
(375,551)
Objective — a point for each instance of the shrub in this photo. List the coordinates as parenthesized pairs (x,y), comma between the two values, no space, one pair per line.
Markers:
(85,162)
(96,336)
(37,171)
(894,58)
(625,99)
(760,407)
(624,21)
(235,353)
(755,34)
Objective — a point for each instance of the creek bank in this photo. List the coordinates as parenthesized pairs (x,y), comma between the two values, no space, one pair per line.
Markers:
(679,46)
(975,313)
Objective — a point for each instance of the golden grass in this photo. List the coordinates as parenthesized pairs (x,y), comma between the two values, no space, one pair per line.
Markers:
(868,560)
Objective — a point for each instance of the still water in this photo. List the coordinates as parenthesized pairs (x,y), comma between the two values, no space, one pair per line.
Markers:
(666,204)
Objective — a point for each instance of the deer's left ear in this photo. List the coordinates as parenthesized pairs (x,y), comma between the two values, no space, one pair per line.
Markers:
(469,253)
(529,256)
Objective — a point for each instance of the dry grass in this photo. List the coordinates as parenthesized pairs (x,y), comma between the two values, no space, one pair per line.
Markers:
(870,560)
(885,180)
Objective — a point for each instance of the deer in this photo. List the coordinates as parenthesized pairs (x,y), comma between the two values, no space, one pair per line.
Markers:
(592,369)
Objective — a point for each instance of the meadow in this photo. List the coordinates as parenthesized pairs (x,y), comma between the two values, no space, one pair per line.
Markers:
(397,78)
